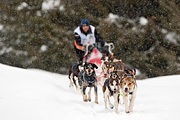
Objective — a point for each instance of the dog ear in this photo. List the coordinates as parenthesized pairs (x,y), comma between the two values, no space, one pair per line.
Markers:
(94,65)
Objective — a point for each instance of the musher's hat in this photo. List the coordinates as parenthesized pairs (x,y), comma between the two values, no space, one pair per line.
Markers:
(85,22)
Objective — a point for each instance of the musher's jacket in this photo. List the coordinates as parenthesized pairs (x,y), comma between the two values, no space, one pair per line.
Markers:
(91,37)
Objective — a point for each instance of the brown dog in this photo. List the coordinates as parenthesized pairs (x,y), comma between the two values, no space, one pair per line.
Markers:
(128,88)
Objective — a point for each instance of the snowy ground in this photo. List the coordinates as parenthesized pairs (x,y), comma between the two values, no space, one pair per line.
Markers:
(39,95)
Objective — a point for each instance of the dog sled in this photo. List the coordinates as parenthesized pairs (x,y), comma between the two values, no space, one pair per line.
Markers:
(93,55)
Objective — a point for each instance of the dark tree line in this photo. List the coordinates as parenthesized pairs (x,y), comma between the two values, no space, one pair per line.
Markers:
(43,39)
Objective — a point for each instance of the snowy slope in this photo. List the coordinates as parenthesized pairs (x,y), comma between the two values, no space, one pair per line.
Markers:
(39,95)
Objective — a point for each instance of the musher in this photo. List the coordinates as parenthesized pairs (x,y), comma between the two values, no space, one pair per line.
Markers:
(86,34)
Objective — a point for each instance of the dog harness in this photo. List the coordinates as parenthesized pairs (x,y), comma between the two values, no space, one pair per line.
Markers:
(109,88)
(90,82)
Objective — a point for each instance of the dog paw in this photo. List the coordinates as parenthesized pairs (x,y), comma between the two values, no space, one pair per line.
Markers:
(96,102)
(85,100)
(127,111)
(70,85)
(89,100)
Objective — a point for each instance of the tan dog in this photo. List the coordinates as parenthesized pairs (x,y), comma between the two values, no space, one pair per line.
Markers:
(111,88)
(128,88)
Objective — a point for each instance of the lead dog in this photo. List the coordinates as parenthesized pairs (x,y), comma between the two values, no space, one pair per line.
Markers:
(87,78)
(128,88)
(111,88)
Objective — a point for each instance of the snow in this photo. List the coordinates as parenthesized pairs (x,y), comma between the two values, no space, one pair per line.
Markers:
(31,94)
(5,50)
(172,37)
(38,13)
(61,8)
(22,6)
(43,48)
(164,31)
(112,17)
(1,27)
(50,4)
(143,21)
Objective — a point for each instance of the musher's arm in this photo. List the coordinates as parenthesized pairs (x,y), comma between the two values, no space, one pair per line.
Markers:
(99,39)
(77,42)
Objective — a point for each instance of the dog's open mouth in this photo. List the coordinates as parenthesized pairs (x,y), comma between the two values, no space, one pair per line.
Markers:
(114,91)
(126,91)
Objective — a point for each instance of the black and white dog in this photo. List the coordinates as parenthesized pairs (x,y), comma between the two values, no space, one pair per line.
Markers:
(111,88)
(73,74)
(87,78)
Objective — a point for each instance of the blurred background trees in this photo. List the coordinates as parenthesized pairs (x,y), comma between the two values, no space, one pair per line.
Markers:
(39,33)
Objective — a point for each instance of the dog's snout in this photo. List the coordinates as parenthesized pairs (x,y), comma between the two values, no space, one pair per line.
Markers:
(126,89)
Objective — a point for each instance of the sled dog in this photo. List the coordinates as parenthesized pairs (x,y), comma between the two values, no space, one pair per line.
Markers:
(128,88)
(87,78)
